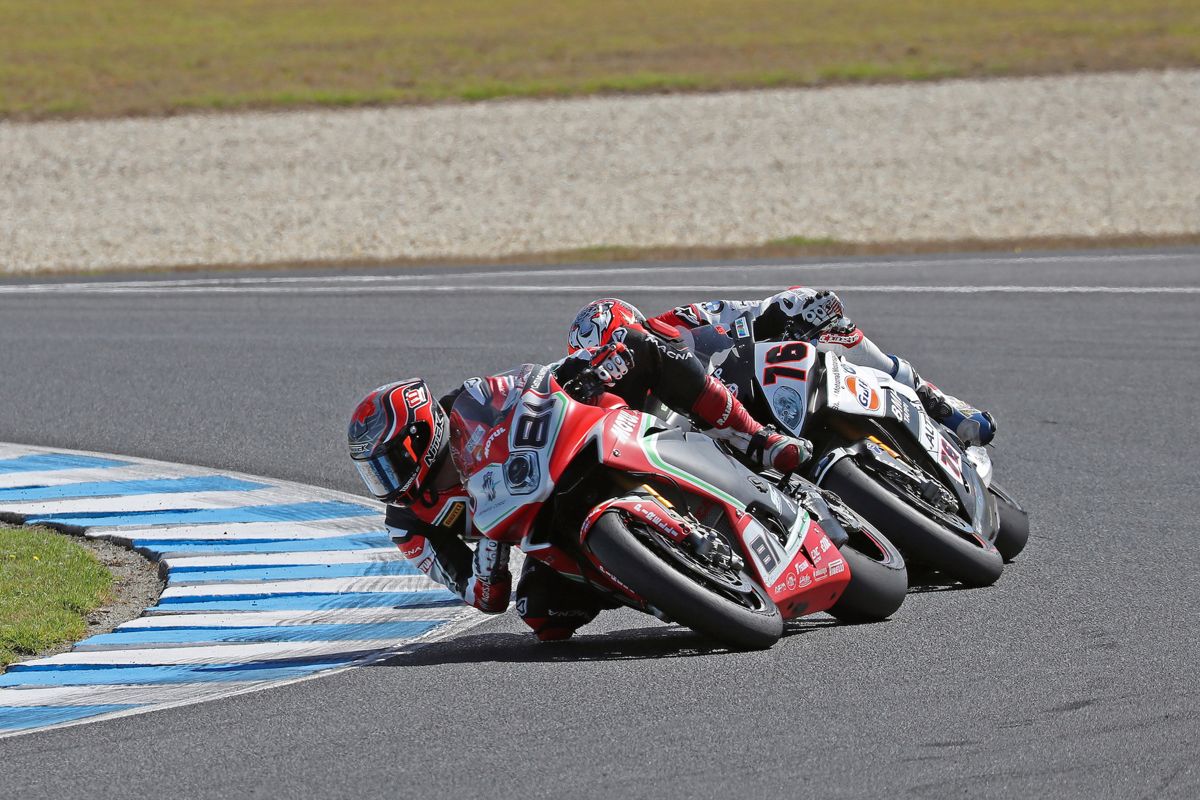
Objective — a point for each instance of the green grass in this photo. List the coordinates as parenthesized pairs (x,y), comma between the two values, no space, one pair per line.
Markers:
(48,584)
(114,57)
(803,241)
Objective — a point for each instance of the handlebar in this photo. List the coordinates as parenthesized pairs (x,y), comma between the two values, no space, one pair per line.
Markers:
(585,385)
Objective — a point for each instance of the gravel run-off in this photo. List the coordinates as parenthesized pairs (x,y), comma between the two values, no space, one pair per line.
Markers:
(1088,155)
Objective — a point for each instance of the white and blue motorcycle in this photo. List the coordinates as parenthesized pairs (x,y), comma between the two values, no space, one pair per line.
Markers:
(877,448)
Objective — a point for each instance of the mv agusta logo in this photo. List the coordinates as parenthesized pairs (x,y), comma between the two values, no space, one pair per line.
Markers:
(867,397)
(625,424)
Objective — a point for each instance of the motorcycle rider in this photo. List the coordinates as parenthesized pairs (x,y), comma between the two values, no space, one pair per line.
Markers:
(400,441)
(795,312)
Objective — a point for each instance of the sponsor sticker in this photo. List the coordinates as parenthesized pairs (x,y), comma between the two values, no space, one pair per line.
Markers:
(415,396)
(837,566)
(625,424)
(741,328)
(452,515)
(866,395)
(950,459)
(487,445)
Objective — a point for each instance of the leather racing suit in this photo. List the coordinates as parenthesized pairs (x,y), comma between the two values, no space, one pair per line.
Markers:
(776,313)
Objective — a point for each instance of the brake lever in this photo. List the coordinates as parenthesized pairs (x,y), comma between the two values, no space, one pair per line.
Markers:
(585,385)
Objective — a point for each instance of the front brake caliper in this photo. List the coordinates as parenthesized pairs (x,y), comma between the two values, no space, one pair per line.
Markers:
(938,496)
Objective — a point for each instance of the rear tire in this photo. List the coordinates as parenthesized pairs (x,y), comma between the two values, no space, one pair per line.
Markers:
(922,539)
(878,579)
(677,595)
(1013,533)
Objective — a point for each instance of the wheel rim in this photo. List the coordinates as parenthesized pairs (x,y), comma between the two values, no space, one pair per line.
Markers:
(906,494)
(731,585)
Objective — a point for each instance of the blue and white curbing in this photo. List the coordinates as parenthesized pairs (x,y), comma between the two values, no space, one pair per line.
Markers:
(267,582)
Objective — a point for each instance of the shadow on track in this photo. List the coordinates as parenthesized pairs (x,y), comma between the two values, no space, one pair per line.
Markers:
(630,644)
(922,581)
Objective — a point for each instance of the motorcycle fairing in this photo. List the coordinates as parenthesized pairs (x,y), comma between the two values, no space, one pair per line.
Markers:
(784,370)
(511,483)
(864,391)
(797,572)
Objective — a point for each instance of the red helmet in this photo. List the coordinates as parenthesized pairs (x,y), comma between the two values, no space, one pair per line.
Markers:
(398,437)
(595,323)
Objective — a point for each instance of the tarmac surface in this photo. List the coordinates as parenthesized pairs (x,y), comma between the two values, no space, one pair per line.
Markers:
(1076,675)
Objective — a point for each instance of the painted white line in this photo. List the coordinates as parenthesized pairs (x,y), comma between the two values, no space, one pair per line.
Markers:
(323,529)
(145,502)
(374,555)
(382,583)
(105,695)
(224,654)
(467,619)
(253,619)
(732,289)
(12,480)
(451,280)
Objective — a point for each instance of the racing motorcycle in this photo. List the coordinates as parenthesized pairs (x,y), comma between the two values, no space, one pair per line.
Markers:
(659,519)
(876,447)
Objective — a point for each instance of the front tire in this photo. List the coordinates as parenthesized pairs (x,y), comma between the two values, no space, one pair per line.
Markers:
(918,536)
(679,596)
(878,579)
(1013,533)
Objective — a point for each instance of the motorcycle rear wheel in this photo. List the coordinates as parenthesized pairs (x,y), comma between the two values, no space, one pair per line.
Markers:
(635,564)
(922,539)
(1013,534)
(878,579)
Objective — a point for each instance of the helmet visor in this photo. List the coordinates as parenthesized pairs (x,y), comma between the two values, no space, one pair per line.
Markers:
(385,477)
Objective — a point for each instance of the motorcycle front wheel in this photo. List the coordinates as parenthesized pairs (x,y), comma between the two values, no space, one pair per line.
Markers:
(921,538)
(1013,534)
(878,578)
(751,622)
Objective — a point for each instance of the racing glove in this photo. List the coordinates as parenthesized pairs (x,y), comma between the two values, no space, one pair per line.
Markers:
(490,584)
(822,309)
(489,595)
(611,363)
(591,371)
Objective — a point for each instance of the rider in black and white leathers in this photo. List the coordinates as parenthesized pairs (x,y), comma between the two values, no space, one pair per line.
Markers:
(777,313)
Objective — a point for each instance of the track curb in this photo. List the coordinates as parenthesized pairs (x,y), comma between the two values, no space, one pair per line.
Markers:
(268,583)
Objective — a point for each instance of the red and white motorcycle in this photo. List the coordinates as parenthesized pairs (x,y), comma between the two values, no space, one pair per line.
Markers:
(663,520)
(877,448)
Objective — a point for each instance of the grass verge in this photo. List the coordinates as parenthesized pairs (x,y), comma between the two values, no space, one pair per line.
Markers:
(116,57)
(49,583)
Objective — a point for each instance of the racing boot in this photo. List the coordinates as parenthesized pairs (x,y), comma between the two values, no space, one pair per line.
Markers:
(969,424)
(729,420)
(553,606)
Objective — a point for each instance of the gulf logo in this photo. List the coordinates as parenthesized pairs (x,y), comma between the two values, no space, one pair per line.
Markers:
(867,397)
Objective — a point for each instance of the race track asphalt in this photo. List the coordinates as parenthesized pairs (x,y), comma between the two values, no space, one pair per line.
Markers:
(1076,675)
